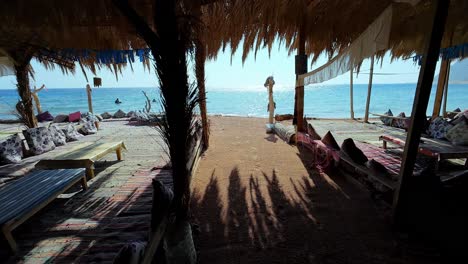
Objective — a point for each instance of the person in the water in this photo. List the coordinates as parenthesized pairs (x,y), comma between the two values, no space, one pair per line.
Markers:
(154,100)
(117,101)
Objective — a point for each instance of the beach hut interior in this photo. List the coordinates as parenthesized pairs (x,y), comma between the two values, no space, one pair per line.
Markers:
(159,178)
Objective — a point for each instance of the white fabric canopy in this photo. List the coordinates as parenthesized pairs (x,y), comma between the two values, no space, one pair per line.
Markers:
(372,40)
(6,66)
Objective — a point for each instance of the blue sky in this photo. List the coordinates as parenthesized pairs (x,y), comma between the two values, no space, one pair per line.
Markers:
(222,74)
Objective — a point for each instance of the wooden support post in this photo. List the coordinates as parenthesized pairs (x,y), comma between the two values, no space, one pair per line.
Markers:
(271,104)
(351,96)
(9,238)
(418,115)
(90,99)
(443,73)
(444,107)
(90,173)
(84,183)
(301,68)
(118,152)
(369,90)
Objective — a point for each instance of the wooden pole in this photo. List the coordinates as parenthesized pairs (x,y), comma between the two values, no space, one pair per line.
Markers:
(418,116)
(301,68)
(369,90)
(271,103)
(90,99)
(443,73)
(351,97)
(444,108)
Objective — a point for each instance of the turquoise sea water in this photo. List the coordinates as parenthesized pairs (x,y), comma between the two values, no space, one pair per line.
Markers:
(320,101)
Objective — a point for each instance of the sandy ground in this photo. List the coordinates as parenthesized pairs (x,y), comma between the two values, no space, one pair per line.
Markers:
(257,200)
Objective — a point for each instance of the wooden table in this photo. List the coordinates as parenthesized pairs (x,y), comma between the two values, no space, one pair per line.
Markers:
(83,156)
(436,148)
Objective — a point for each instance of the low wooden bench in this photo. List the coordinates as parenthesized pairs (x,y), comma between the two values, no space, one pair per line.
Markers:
(83,157)
(24,197)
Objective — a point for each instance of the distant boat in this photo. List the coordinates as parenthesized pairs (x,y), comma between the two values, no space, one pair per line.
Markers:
(117,101)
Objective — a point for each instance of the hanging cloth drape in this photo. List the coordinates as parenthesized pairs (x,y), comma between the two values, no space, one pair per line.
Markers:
(372,40)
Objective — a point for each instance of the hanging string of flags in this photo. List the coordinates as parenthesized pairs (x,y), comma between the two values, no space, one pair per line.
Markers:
(101,56)
(449,53)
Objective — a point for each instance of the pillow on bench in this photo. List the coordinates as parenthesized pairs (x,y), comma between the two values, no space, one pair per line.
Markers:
(11,149)
(70,133)
(330,141)
(58,137)
(401,123)
(88,127)
(458,135)
(387,120)
(74,117)
(46,116)
(348,147)
(438,128)
(39,140)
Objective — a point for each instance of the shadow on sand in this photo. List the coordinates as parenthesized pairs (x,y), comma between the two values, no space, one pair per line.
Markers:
(278,218)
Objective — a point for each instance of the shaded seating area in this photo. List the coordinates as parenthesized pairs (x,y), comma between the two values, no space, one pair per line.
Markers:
(373,166)
(23,198)
(21,149)
(439,150)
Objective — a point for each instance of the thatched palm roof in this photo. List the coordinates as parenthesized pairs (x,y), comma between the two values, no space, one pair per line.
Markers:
(329,25)
(87,24)
(54,25)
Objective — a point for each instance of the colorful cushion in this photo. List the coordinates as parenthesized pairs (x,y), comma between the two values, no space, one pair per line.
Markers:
(46,116)
(58,137)
(458,135)
(349,148)
(88,127)
(11,150)
(70,133)
(438,128)
(39,140)
(386,120)
(330,141)
(74,117)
